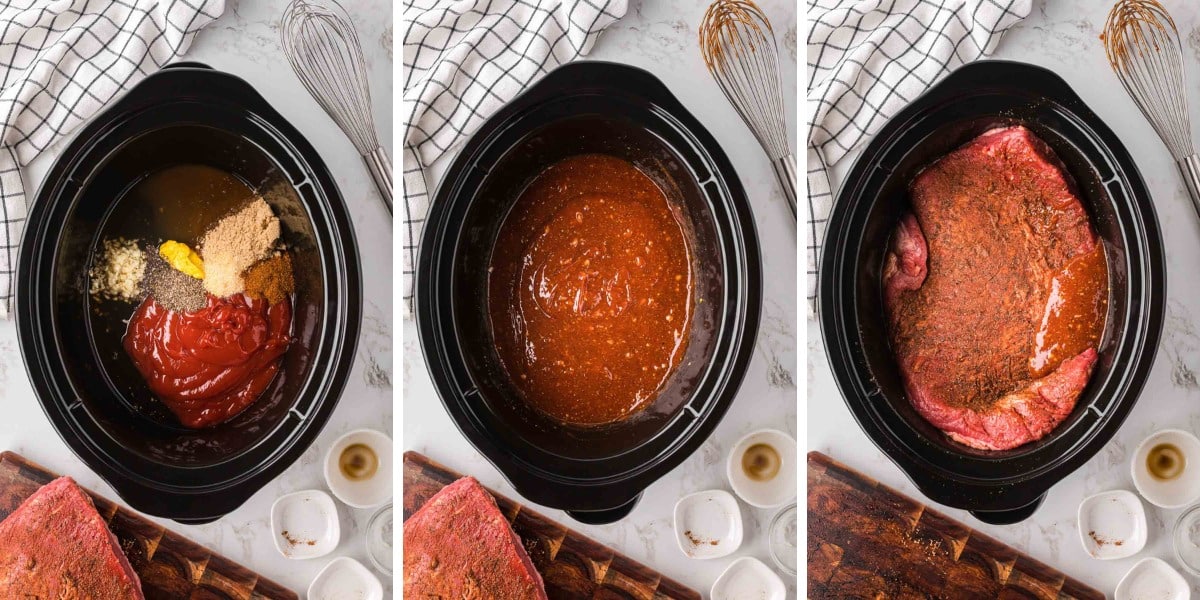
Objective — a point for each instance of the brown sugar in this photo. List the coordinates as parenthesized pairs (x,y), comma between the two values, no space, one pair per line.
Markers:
(270,278)
(235,243)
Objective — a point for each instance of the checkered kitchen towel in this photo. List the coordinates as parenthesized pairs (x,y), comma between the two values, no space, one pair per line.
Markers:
(60,62)
(464,60)
(867,59)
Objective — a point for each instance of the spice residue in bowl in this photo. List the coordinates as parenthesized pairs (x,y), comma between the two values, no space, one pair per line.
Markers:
(697,540)
(294,541)
(1104,541)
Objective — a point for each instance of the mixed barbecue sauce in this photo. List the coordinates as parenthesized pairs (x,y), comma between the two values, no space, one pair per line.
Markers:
(590,291)
(1076,309)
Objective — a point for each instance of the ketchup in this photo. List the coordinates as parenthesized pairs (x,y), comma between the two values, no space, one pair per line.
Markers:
(209,365)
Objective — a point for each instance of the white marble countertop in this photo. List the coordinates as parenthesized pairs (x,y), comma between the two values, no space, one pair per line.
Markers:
(245,42)
(661,38)
(1063,36)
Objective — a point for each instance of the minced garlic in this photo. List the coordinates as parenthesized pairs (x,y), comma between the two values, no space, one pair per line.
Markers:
(117,273)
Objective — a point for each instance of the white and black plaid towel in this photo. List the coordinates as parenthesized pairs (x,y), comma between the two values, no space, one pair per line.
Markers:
(467,58)
(867,59)
(60,62)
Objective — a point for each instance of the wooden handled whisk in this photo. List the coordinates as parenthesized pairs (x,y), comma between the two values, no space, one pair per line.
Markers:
(739,50)
(1143,47)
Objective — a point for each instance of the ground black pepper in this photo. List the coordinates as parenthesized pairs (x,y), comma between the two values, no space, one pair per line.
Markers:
(173,289)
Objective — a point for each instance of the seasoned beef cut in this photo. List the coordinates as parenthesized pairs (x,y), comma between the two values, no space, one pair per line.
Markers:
(995,290)
(55,545)
(459,545)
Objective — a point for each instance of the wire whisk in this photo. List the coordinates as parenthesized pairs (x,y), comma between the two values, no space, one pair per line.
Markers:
(320,42)
(1143,47)
(739,50)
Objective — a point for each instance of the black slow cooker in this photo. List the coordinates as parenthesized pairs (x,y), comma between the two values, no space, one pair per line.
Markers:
(597,473)
(184,114)
(1007,486)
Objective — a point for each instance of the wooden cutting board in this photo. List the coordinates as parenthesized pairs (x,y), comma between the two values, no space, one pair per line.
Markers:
(865,540)
(572,565)
(169,565)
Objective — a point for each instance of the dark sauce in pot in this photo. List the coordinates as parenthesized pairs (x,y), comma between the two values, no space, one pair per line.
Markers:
(590,291)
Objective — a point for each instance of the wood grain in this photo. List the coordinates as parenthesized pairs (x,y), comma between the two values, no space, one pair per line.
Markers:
(170,566)
(865,540)
(572,565)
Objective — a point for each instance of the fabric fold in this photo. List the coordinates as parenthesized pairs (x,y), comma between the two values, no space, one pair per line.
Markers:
(60,62)
(867,59)
(464,60)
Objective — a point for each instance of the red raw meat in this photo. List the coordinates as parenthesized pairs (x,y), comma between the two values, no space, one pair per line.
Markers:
(967,279)
(55,545)
(459,545)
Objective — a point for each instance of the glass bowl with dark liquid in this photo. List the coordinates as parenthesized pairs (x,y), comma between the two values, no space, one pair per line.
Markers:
(177,152)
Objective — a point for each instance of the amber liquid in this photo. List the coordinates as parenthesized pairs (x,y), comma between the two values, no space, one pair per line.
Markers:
(1165,462)
(761,462)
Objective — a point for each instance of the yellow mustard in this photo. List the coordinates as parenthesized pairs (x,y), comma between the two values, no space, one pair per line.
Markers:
(182,258)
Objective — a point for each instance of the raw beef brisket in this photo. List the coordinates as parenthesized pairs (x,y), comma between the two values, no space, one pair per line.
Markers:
(459,545)
(56,546)
(966,282)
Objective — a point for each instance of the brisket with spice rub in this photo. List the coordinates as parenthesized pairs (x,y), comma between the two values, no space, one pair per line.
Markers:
(56,546)
(459,545)
(969,280)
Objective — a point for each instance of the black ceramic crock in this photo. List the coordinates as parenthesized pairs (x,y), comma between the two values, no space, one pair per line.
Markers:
(596,474)
(184,114)
(1007,486)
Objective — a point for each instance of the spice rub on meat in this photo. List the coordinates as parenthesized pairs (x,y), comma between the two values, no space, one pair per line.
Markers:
(996,292)
(56,545)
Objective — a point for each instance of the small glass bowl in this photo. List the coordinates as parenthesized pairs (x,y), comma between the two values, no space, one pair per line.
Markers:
(781,538)
(379,540)
(1185,539)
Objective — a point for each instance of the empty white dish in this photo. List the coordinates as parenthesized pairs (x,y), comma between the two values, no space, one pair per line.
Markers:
(1170,493)
(773,492)
(368,492)
(305,524)
(708,524)
(1112,525)
(1152,579)
(345,579)
(748,577)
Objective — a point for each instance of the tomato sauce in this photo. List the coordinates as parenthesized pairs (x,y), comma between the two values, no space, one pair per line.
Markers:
(590,291)
(209,365)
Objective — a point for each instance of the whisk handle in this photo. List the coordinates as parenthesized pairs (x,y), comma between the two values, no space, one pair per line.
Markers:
(380,166)
(785,171)
(1190,168)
